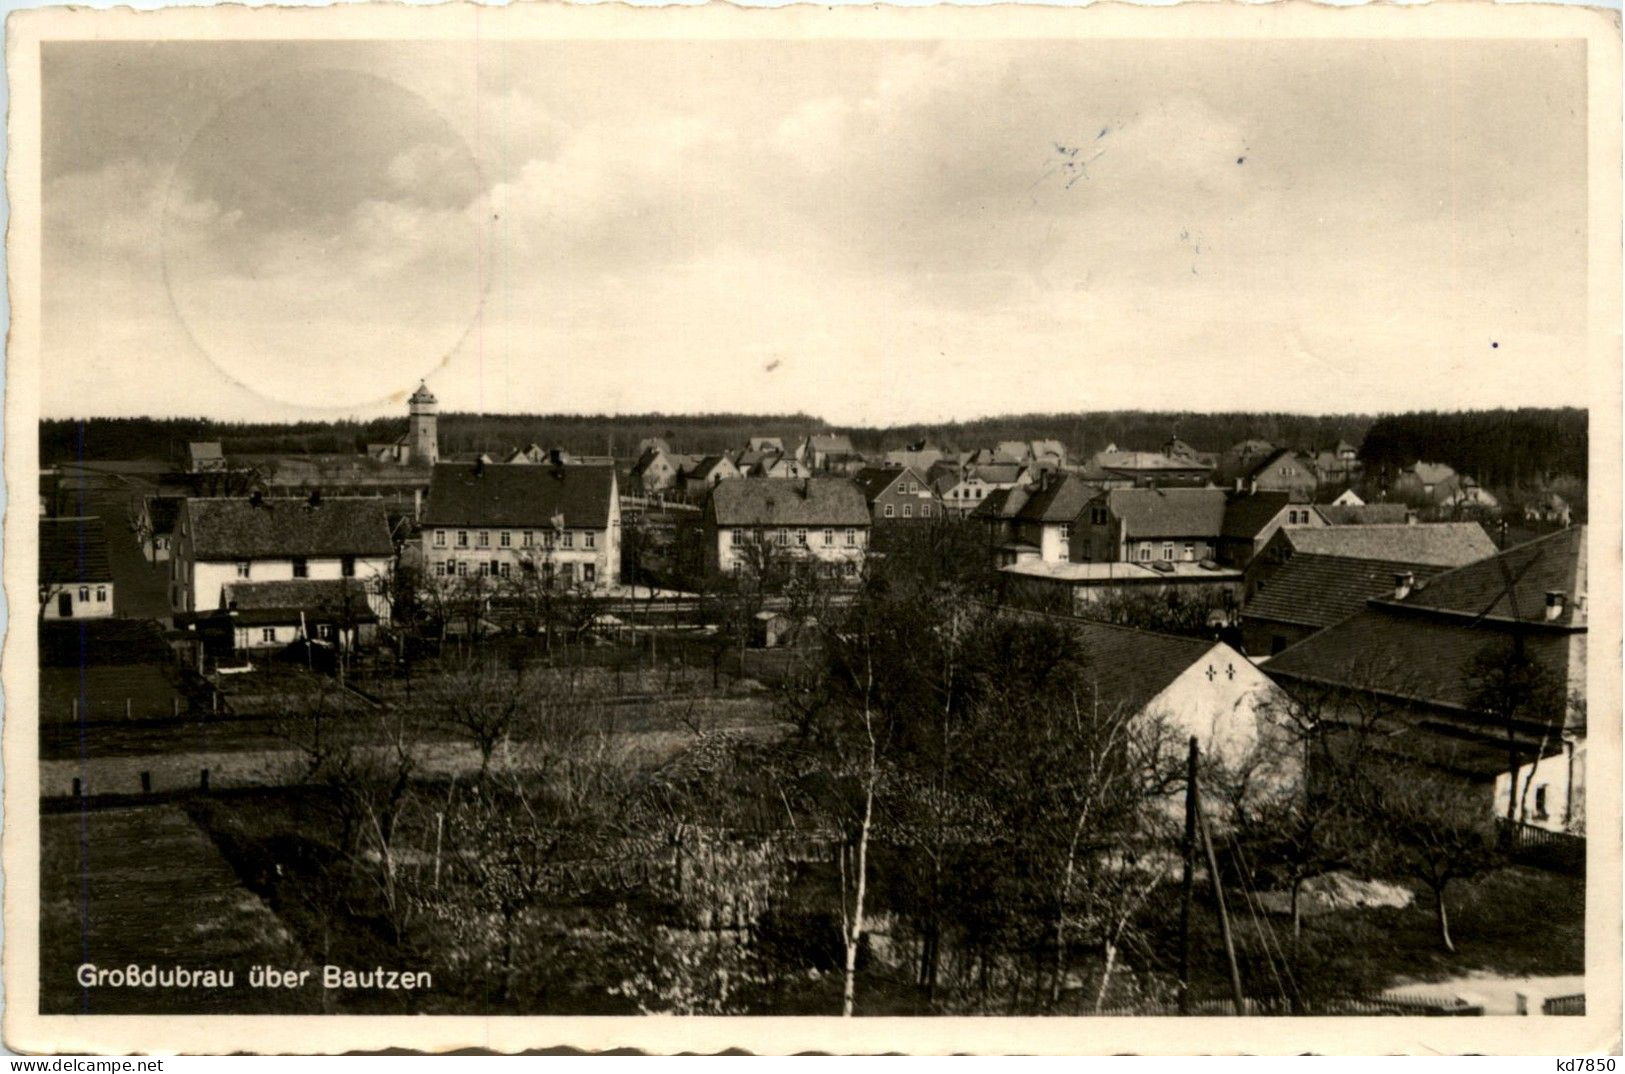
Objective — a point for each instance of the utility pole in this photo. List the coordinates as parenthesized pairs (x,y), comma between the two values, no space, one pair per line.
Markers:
(1224,916)
(1187,885)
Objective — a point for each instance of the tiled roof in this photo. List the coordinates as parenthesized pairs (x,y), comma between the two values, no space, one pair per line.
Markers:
(1062,499)
(832,443)
(1168,512)
(1130,667)
(1011,450)
(874,480)
(1115,571)
(73,550)
(1365,514)
(994,505)
(282,601)
(331,472)
(1438,544)
(204,449)
(238,528)
(998,473)
(1040,448)
(707,466)
(1512,586)
(495,495)
(1431,660)
(1317,591)
(1245,515)
(788,501)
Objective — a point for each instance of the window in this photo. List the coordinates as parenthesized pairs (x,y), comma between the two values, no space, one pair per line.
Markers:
(567,573)
(528,539)
(851,538)
(908,510)
(737,537)
(462,568)
(1097,516)
(268,634)
(889,511)
(347,566)
(462,538)
(84,594)
(502,569)
(781,537)
(101,594)
(850,568)
(1167,550)
(441,568)
(589,539)
(925,510)
(568,539)
(301,568)
(243,567)
(829,538)
(1145,553)
(505,539)
(440,538)
(483,540)
(1066,531)
(1540,802)
(801,538)
(324,630)
(589,572)
(1190,551)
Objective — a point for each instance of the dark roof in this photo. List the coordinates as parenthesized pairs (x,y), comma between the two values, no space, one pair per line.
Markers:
(238,528)
(1246,514)
(520,496)
(1271,459)
(1129,667)
(1365,514)
(874,480)
(1168,512)
(1431,660)
(283,601)
(1060,499)
(1512,586)
(788,501)
(73,550)
(1439,544)
(998,473)
(162,512)
(703,469)
(1317,591)
(831,443)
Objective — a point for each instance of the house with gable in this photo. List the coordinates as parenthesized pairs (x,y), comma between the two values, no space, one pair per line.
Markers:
(1047,518)
(1251,519)
(1282,470)
(897,495)
(1149,525)
(707,473)
(659,470)
(1418,660)
(822,452)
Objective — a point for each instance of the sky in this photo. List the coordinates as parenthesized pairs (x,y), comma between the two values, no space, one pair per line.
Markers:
(874,232)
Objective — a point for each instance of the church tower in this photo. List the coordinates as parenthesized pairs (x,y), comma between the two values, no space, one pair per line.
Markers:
(421,433)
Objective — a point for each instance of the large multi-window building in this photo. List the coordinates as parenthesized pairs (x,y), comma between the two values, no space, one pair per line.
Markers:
(822,520)
(558,524)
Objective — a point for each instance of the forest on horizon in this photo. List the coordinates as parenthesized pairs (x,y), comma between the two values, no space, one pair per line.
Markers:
(1501,447)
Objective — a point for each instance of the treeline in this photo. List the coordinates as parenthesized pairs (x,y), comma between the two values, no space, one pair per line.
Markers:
(1505,449)
(603,434)
(1502,448)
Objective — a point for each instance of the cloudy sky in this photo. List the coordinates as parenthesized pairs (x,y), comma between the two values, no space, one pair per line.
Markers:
(873,232)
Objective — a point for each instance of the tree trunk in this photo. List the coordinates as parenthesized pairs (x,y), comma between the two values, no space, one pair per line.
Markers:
(1297,912)
(1444,920)
(854,936)
(1106,975)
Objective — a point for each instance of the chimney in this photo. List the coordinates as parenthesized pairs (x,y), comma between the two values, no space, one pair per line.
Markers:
(1554,604)
(1404,582)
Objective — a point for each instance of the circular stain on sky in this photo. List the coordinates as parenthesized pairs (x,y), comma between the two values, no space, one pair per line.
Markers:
(322,238)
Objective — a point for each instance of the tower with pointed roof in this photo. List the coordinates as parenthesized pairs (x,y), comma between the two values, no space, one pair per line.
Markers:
(421,431)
